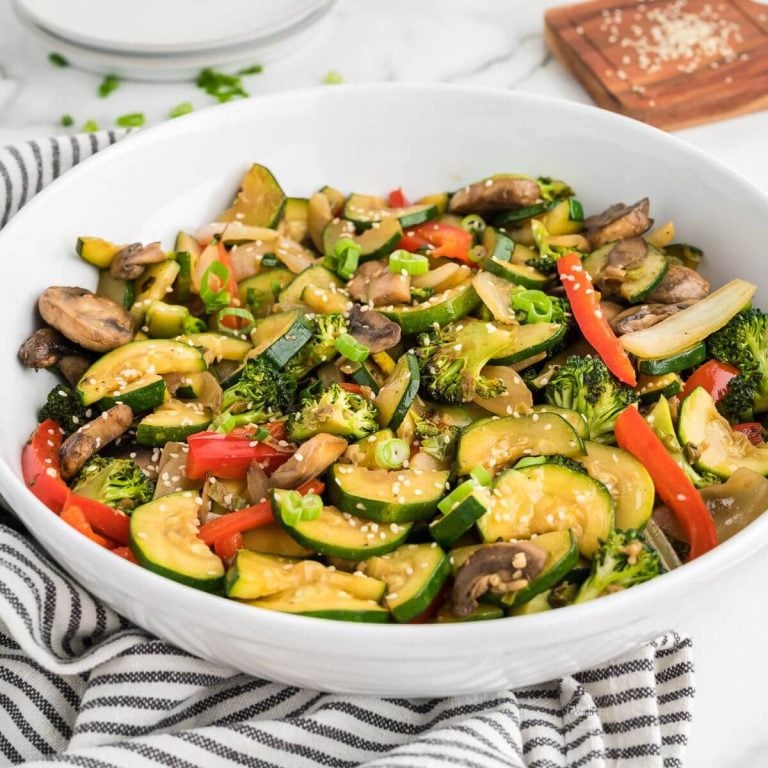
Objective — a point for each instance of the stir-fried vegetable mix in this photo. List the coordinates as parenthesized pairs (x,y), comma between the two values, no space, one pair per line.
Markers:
(477,404)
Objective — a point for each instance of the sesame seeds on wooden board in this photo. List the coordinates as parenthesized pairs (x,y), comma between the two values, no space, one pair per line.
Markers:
(671,63)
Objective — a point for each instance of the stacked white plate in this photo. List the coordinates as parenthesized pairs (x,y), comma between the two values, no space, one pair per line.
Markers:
(170,39)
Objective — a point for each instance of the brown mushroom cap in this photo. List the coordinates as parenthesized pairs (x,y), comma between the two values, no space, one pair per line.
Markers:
(375,283)
(495,195)
(623,257)
(310,461)
(643,316)
(129,262)
(72,368)
(680,284)
(496,568)
(617,223)
(44,348)
(89,320)
(373,329)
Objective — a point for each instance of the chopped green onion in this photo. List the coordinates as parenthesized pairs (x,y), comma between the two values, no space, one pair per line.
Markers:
(473,224)
(575,210)
(332,77)
(344,258)
(90,126)
(67,121)
(481,476)
(312,506)
(108,84)
(269,260)
(239,312)
(390,454)
(131,120)
(221,86)
(412,263)
(180,109)
(530,461)
(254,69)
(349,347)
(262,433)
(225,423)
(456,496)
(215,300)
(294,507)
(476,253)
(535,306)
(57,60)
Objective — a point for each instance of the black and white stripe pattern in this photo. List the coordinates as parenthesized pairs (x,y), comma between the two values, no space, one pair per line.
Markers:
(80,686)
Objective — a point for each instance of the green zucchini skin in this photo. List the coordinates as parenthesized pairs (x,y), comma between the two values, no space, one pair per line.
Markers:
(689,358)
(452,526)
(532,339)
(397,394)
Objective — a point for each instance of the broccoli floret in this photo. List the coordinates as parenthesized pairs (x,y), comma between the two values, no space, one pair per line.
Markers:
(451,360)
(743,342)
(261,393)
(564,461)
(334,411)
(64,407)
(553,189)
(439,440)
(320,348)
(533,306)
(622,561)
(118,483)
(585,385)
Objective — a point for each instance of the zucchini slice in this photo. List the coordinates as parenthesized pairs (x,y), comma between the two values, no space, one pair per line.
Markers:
(365,210)
(414,575)
(253,575)
(548,497)
(626,479)
(574,418)
(532,339)
(398,393)
(497,443)
(96,251)
(340,534)
(314,277)
(121,367)
(153,285)
(141,395)
(455,523)
(163,535)
(688,358)
(260,201)
(640,281)
(259,293)
(324,602)
(562,557)
(271,539)
(119,291)
(173,422)
(280,337)
(708,435)
(375,242)
(217,346)
(442,308)
(368,375)
(650,388)
(519,274)
(386,496)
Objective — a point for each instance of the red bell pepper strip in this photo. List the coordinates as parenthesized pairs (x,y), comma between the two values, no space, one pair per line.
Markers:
(713,376)
(311,486)
(396,198)
(585,306)
(105,520)
(229,458)
(634,434)
(227,547)
(754,431)
(236,522)
(437,239)
(355,389)
(76,518)
(40,466)
(126,553)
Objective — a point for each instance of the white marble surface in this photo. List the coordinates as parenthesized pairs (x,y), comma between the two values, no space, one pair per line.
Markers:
(485,42)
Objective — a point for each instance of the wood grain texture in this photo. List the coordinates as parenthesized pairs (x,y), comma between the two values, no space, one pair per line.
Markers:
(671,63)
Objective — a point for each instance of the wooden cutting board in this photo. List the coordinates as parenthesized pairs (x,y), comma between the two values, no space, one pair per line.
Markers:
(672,63)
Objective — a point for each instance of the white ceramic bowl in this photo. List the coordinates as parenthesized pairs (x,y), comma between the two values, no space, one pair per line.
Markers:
(369,138)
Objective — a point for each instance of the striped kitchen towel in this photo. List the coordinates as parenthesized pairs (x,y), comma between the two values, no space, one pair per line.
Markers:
(81,686)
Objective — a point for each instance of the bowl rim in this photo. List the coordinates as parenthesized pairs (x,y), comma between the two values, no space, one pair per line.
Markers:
(221,609)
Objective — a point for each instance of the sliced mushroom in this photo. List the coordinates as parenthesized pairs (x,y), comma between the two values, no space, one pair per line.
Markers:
(610,309)
(92,437)
(374,283)
(89,320)
(623,257)
(257,483)
(680,284)
(496,568)
(373,329)
(310,460)
(44,348)
(643,316)
(129,262)
(617,223)
(495,195)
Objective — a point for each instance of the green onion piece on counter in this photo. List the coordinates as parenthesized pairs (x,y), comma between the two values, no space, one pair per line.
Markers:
(131,120)
(349,347)
(180,109)
(294,507)
(535,305)
(344,258)
(220,85)
(254,69)
(333,77)
(239,313)
(391,454)
(57,60)
(481,476)
(67,121)
(412,263)
(215,300)
(108,84)
(90,126)
(473,224)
